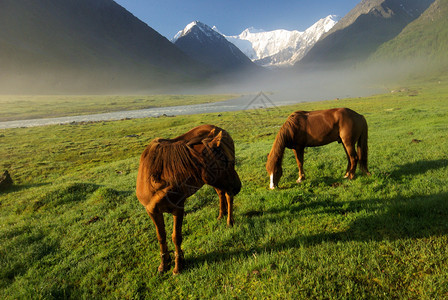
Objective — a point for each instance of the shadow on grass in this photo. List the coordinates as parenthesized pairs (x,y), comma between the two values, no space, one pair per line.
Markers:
(415,168)
(412,217)
(419,167)
(18,188)
(30,244)
(323,206)
(288,183)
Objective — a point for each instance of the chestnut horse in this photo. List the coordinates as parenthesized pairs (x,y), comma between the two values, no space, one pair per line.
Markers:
(317,128)
(171,170)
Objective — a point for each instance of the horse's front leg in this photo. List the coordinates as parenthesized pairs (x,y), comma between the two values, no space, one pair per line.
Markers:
(165,258)
(178,217)
(230,220)
(222,203)
(299,153)
(225,206)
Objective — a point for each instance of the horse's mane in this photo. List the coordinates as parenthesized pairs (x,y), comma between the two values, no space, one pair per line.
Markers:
(173,162)
(283,139)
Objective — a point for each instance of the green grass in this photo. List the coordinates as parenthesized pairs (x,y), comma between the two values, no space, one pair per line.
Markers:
(21,107)
(72,226)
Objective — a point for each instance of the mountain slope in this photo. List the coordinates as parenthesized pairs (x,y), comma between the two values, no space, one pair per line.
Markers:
(425,38)
(84,44)
(280,47)
(211,48)
(370,24)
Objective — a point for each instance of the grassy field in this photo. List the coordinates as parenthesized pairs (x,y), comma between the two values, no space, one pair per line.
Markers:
(21,107)
(72,226)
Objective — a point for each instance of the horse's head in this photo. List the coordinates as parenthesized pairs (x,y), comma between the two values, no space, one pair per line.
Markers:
(219,158)
(274,168)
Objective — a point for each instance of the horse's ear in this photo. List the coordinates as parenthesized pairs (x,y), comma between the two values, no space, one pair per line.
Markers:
(216,140)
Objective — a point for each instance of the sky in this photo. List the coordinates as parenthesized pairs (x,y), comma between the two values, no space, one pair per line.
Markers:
(231,17)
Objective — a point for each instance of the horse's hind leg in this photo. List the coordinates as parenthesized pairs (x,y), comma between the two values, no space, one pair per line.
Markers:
(352,158)
(299,153)
(348,162)
(165,258)
(178,217)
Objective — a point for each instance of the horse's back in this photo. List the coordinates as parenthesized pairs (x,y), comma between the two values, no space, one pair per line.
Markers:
(325,126)
(348,113)
(199,133)
(337,116)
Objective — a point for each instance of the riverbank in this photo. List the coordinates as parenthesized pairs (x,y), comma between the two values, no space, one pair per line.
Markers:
(26,107)
(227,105)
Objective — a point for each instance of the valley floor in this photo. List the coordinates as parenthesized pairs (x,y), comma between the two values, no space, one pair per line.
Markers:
(72,227)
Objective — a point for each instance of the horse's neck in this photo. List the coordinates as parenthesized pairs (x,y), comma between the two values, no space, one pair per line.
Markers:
(278,149)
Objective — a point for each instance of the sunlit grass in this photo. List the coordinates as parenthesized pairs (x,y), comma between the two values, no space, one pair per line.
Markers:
(73,228)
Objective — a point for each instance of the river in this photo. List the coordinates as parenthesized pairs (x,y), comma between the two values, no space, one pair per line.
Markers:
(254,101)
(260,100)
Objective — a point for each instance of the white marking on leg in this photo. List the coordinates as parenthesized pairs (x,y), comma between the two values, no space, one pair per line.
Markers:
(272,186)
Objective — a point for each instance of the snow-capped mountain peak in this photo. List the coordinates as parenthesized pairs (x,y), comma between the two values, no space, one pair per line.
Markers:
(275,48)
(252,30)
(208,46)
(280,47)
(210,32)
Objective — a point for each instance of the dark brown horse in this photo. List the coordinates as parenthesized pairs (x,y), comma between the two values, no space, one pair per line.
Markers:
(171,170)
(317,128)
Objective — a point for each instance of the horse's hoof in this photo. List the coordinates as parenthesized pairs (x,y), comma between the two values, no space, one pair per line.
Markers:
(349,176)
(222,215)
(179,263)
(165,265)
(161,270)
(176,272)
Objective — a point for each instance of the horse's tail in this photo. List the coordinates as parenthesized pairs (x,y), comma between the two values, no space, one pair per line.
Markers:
(363,148)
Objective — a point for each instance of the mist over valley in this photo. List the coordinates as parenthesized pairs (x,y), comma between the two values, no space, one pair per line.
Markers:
(98,47)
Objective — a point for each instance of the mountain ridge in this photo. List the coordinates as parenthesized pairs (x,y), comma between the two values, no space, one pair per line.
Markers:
(358,34)
(424,38)
(77,45)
